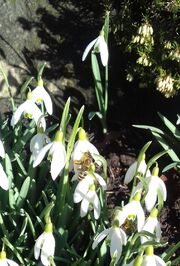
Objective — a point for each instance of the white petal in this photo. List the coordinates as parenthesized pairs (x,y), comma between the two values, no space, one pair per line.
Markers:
(12,263)
(48,248)
(127,210)
(158,230)
(116,244)
(37,114)
(162,189)
(140,216)
(40,93)
(37,143)
(149,226)
(101,181)
(130,173)
(17,114)
(84,207)
(97,206)
(82,146)
(99,238)
(159,261)
(151,196)
(58,159)
(41,154)
(148,261)
(103,50)
(38,245)
(82,189)
(88,48)
(2,151)
(4,182)
(123,236)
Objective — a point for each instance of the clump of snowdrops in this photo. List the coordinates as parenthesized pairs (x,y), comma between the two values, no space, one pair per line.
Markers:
(53,194)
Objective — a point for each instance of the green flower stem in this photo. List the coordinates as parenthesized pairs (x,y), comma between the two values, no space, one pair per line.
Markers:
(64,184)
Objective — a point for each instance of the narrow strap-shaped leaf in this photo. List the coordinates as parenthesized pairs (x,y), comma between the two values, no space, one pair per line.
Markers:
(169,125)
(98,82)
(25,86)
(23,192)
(65,116)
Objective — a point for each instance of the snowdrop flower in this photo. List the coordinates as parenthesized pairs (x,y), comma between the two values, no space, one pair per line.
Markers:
(39,94)
(178,119)
(57,154)
(156,188)
(150,259)
(115,235)
(85,193)
(38,142)
(152,225)
(6,262)
(133,209)
(29,109)
(2,151)
(136,167)
(100,46)
(82,146)
(45,244)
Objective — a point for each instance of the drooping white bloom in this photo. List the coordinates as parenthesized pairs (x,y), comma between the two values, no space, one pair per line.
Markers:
(82,146)
(150,259)
(30,110)
(85,193)
(133,209)
(38,142)
(45,244)
(6,262)
(117,238)
(132,170)
(39,94)
(2,151)
(152,225)
(156,187)
(100,46)
(57,154)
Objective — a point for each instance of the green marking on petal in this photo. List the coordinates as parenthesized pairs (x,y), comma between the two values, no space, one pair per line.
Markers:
(92,187)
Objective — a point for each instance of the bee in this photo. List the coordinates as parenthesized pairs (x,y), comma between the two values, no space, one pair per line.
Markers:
(128,225)
(85,162)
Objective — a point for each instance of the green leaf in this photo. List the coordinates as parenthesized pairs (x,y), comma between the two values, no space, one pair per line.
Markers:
(91,115)
(106,26)
(25,85)
(9,170)
(40,71)
(170,125)
(65,116)
(170,166)
(155,158)
(166,147)
(23,192)
(98,82)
